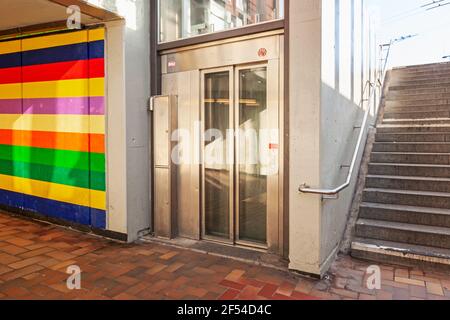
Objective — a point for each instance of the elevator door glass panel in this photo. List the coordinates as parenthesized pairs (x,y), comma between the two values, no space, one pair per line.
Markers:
(253,127)
(217,179)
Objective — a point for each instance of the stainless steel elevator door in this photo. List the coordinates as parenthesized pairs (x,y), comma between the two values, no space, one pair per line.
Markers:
(252,124)
(217,151)
(238,155)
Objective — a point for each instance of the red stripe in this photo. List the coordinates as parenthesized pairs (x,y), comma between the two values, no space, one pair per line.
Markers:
(10,75)
(97,68)
(80,69)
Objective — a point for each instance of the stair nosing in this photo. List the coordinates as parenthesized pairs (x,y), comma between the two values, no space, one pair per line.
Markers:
(390,164)
(415,178)
(401,226)
(409,192)
(413,252)
(398,207)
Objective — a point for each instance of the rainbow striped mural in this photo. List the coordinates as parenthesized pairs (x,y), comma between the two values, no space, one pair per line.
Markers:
(52,126)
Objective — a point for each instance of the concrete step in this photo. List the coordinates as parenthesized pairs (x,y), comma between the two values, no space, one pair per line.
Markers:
(408,198)
(432,67)
(405,92)
(402,169)
(412,183)
(422,86)
(413,137)
(419,82)
(389,114)
(417,96)
(413,128)
(389,252)
(417,122)
(424,78)
(413,147)
(405,214)
(429,108)
(425,102)
(411,158)
(421,74)
(437,237)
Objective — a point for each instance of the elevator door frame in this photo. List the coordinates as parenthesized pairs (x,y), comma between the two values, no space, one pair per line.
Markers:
(273,107)
(181,70)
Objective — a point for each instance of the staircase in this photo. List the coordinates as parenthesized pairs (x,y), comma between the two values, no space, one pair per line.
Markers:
(405,214)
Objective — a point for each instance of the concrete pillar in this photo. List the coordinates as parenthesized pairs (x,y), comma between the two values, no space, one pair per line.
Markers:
(305,118)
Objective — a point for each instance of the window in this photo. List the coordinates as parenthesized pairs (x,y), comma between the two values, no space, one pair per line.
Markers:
(180,19)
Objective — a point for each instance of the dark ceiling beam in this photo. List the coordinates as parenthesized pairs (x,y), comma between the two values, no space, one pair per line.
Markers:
(42,27)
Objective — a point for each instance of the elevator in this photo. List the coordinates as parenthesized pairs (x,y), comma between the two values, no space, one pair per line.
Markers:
(217,147)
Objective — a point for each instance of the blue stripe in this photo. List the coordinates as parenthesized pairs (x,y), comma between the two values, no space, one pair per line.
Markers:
(98,218)
(71,52)
(79,51)
(97,49)
(10,60)
(54,209)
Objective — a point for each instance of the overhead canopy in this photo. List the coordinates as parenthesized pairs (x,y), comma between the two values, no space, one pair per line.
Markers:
(19,15)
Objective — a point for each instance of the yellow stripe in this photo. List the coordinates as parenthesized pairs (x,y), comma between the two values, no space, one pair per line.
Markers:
(54,123)
(11,91)
(57,40)
(97,87)
(97,34)
(10,47)
(64,88)
(53,191)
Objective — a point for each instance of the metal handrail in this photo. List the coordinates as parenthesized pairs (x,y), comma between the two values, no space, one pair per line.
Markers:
(333,192)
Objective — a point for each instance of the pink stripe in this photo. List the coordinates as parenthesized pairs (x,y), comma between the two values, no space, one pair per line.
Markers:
(11,106)
(97,106)
(75,106)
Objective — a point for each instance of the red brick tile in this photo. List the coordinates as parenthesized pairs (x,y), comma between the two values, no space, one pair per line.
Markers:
(13,250)
(20,242)
(231,284)
(174,267)
(169,255)
(26,262)
(7,259)
(286,289)
(249,293)
(60,255)
(268,291)
(124,296)
(235,275)
(301,296)
(196,292)
(63,265)
(35,253)
(20,273)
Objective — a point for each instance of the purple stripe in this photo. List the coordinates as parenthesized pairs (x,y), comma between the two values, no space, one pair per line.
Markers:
(97,106)
(75,106)
(11,106)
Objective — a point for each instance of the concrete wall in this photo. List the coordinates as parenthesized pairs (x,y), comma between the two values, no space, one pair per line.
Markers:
(129,91)
(329,87)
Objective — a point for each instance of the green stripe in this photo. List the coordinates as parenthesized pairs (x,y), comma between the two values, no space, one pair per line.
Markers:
(54,158)
(65,176)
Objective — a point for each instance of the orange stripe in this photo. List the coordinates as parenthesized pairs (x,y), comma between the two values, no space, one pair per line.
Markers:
(54,140)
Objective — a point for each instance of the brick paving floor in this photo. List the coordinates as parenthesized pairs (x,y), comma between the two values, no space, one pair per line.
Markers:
(34,258)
